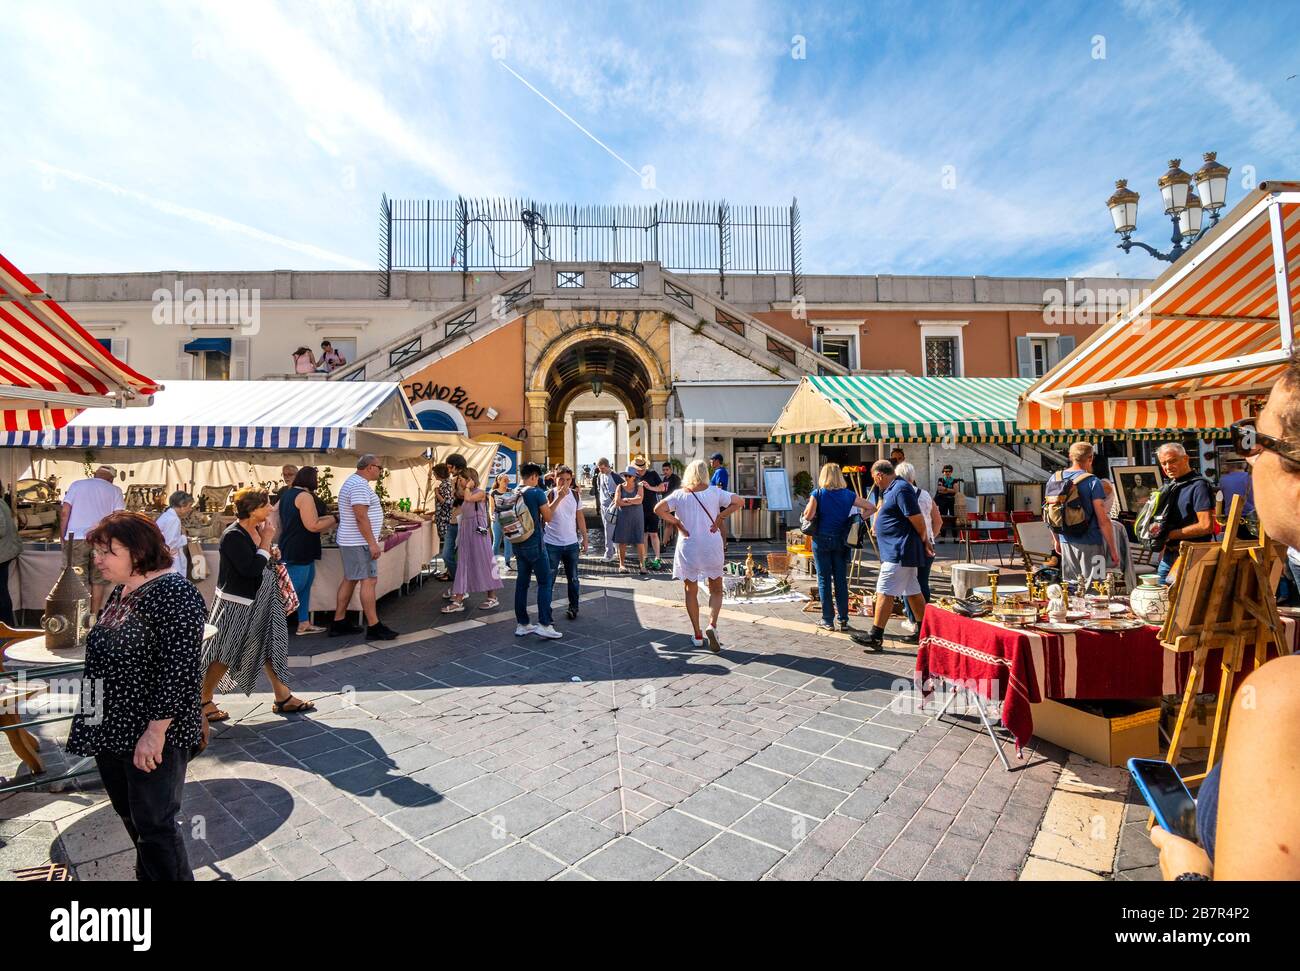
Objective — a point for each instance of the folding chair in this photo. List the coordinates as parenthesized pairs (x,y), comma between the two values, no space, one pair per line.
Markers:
(1035,544)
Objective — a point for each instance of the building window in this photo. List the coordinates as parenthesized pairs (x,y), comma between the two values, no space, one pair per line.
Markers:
(840,348)
(211,358)
(941,357)
(942,353)
(1038,356)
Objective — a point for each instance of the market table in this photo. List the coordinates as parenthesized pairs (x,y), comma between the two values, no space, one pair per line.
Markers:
(1022,666)
(406,554)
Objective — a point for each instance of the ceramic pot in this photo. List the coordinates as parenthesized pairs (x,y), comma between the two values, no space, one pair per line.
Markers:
(1150,601)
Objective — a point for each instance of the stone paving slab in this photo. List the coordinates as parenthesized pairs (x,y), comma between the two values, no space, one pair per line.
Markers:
(617,752)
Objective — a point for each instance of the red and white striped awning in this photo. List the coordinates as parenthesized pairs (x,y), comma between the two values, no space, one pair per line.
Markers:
(50,367)
(1214,332)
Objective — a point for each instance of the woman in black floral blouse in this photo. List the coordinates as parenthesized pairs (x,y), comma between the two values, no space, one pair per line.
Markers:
(139,717)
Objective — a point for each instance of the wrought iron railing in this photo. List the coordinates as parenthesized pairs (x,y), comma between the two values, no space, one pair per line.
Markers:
(507,235)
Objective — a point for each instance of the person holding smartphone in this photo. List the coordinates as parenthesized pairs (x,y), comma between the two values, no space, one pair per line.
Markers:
(1247,822)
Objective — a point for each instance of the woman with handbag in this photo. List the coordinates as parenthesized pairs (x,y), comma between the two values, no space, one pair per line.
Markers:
(698,512)
(302,519)
(249,613)
(829,509)
(476,570)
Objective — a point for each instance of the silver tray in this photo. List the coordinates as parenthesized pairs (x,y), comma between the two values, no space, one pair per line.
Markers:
(1114,624)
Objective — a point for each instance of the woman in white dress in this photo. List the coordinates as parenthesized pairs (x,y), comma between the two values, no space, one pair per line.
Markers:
(698,511)
(179,505)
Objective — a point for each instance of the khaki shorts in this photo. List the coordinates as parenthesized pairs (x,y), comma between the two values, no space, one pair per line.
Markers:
(83,558)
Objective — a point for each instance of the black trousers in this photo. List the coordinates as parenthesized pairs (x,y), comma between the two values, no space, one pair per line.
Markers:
(149,803)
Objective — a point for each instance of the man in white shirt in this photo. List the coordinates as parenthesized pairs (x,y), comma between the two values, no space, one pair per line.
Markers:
(361,516)
(560,533)
(179,506)
(86,502)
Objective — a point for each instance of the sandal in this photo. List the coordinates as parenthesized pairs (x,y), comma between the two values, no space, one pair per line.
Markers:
(310,629)
(455,607)
(217,714)
(444,577)
(284,707)
(448,596)
(489,603)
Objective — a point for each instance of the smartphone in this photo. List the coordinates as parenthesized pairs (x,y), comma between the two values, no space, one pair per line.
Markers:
(1167,795)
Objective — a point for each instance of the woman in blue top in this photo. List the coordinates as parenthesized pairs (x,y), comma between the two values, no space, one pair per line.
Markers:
(829,508)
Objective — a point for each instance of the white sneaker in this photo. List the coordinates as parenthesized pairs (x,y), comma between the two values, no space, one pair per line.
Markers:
(547,630)
(523,630)
(711,635)
(907,626)
(697,641)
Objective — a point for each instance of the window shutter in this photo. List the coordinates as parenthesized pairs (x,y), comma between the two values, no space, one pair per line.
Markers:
(1060,348)
(1025,356)
(184,362)
(239,359)
(119,348)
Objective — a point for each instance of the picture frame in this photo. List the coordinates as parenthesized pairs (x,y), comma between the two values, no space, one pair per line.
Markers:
(1134,483)
(990,480)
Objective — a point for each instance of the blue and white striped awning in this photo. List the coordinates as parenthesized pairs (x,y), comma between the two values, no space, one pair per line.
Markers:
(251,415)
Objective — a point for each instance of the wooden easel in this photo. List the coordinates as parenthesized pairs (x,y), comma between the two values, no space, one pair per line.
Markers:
(1223,597)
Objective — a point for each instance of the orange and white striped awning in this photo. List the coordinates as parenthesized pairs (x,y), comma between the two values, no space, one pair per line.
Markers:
(1212,335)
(50,367)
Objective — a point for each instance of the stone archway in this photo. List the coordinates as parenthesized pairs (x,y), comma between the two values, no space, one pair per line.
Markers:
(565,350)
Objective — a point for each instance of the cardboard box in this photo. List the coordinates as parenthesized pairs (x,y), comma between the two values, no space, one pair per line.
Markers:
(1109,732)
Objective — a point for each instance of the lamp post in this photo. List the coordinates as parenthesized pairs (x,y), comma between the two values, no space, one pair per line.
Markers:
(1184,207)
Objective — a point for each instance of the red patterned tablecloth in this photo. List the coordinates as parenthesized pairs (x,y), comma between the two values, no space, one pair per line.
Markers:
(1018,667)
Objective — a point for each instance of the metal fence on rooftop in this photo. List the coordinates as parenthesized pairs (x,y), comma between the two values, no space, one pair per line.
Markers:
(509,235)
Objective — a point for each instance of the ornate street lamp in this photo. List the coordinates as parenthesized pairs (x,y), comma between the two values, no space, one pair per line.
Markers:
(597,386)
(1184,207)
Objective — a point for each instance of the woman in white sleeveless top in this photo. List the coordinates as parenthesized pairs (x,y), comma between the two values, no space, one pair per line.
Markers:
(698,511)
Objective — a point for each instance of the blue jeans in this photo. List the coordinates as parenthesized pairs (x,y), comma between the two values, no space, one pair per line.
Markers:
(499,542)
(449,549)
(532,561)
(923,576)
(301,576)
(1162,571)
(832,561)
(568,556)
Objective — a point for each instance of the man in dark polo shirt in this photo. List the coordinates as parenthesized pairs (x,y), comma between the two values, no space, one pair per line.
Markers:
(1191,519)
(900,535)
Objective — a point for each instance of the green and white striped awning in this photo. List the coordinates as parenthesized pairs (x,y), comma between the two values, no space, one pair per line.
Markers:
(855,409)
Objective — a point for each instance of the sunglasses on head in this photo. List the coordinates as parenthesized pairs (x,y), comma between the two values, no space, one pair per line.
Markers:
(1248,442)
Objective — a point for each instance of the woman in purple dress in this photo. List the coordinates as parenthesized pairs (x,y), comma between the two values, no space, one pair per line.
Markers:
(476,567)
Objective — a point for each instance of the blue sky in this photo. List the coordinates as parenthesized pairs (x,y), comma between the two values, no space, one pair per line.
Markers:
(259,135)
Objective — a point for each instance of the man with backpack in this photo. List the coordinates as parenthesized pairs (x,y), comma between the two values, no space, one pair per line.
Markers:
(523,515)
(1074,508)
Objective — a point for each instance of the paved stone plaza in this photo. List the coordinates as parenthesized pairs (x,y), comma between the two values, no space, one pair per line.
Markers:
(618,752)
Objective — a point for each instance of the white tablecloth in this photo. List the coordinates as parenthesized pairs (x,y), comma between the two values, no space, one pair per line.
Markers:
(37,570)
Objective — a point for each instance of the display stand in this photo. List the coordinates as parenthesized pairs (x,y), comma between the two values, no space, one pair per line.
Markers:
(1222,597)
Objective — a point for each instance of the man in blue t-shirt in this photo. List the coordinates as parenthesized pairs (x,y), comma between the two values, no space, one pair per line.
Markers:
(901,538)
(1192,517)
(1091,554)
(532,559)
(719,477)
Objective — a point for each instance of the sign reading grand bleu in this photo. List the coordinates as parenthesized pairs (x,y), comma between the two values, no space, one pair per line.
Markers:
(457,397)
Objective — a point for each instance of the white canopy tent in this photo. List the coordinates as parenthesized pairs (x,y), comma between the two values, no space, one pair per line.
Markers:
(201,433)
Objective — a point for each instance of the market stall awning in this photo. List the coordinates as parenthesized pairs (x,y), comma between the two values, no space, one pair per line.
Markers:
(853,409)
(251,415)
(1213,331)
(49,365)
(733,403)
